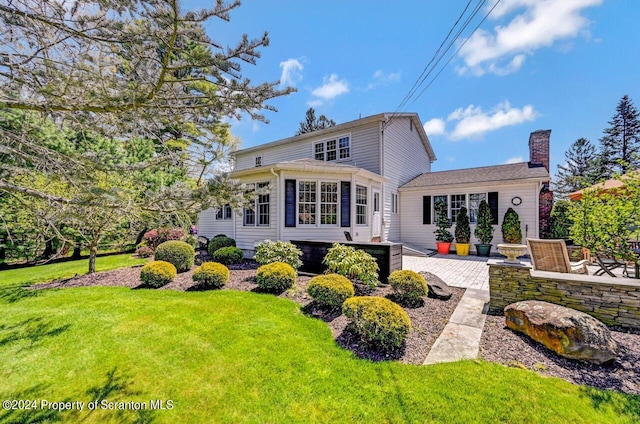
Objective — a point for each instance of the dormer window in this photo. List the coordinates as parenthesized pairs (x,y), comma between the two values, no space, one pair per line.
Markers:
(258,161)
(334,149)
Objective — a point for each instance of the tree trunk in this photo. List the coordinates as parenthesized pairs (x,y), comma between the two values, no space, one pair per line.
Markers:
(93,252)
(140,235)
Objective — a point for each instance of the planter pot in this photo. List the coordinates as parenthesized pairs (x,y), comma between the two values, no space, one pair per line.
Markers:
(462,249)
(512,252)
(483,249)
(443,247)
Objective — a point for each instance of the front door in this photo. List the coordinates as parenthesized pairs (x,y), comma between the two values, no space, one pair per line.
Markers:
(375,218)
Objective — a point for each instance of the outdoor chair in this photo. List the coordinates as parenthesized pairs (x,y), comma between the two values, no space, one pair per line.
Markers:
(552,256)
(608,263)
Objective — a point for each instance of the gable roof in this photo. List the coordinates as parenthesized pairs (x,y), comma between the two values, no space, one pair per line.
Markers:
(326,132)
(484,174)
(309,165)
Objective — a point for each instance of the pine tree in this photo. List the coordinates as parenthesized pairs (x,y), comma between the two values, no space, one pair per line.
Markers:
(581,168)
(311,124)
(620,145)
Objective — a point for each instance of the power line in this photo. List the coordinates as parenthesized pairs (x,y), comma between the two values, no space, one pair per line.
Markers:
(437,57)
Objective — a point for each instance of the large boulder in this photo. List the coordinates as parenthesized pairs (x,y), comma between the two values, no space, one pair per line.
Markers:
(569,333)
(438,289)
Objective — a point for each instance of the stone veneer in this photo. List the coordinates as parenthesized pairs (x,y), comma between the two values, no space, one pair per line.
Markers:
(614,301)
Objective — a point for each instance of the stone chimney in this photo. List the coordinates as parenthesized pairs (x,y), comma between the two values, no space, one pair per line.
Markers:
(539,156)
(539,148)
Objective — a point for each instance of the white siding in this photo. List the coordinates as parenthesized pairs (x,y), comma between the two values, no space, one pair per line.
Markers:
(209,226)
(415,233)
(405,157)
(365,149)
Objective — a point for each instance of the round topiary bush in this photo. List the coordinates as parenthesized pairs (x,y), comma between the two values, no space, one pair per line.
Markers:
(331,290)
(378,321)
(144,252)
(276,277)
(157,273)
(409,286)
(179,253)
(219,242)
(211,275)
(228,255)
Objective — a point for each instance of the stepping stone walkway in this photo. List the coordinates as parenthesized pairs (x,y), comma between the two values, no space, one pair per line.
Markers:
(460,338)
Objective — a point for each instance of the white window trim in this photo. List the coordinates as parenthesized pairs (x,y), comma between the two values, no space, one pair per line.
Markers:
(256,159)
(224,208)
(395,203)
(318,203)
(255,209)
(337,140)
(366,206)
(449,201)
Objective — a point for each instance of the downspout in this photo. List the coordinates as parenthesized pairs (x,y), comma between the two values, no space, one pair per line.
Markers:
(278,208)
(383,210)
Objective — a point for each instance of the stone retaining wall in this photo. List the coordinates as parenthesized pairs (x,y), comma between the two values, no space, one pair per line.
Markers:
(614,301)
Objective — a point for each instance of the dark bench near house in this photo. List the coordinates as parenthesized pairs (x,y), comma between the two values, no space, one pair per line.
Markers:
(388,255)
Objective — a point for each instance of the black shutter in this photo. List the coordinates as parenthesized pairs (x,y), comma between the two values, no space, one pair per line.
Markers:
(289,203)
(426,210)
(493,205)
(345,204)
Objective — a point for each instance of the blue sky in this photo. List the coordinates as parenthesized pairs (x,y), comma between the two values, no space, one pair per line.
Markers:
(532,64)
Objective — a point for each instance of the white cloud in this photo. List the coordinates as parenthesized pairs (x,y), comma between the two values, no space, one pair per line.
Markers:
(435,126)
(539,24)
(315,103)
(291,72)
(381,79)
(515,159)
(331,88)
(473,122)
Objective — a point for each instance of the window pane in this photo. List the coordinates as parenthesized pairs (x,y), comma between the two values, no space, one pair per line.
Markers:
(361,205)
(328,203)
(345,148)
(474,205)
(306,202)
(457,202)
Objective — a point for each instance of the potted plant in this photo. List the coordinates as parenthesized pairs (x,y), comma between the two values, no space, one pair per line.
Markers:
(484,229)
(462,232)
(512,236)
(443,235)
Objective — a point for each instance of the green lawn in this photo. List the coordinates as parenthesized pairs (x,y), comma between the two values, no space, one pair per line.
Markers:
(229,356)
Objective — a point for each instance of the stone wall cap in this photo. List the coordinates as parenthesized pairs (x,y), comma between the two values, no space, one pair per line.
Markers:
(581,278)
(500,262)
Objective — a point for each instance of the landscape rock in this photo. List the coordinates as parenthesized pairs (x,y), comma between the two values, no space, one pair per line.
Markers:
(569,333)
(438,289)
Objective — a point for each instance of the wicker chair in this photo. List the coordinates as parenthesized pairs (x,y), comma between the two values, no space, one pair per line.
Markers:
(551,255)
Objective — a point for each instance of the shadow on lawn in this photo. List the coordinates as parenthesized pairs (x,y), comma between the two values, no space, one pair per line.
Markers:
(604,398)
(16,292)
(32,413)
(32,330)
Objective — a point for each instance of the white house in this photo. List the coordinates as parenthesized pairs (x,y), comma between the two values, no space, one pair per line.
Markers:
(371,177)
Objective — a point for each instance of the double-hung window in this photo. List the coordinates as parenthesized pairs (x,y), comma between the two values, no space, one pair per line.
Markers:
(318,203)
(328,203)
(458,201)
(361,205)
(224,212)
(334,149)
(258,212)
(474,205)
(307,202)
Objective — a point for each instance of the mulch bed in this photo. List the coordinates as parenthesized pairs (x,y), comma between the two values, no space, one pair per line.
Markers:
(498,343)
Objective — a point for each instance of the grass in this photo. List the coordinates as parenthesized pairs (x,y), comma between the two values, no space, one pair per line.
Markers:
(227,356)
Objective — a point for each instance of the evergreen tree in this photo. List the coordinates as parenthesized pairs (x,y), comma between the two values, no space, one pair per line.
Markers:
(311,124)
(581,168)
(620,145)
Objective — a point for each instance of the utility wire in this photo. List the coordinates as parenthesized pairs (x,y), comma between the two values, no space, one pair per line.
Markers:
(428,70)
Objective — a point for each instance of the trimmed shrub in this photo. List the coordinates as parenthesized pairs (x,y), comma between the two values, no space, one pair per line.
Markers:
(511,228)
(144,252)
(355,264)
(228,255)
(179,253)
(211,275)
(378,321)
(219,242)
(158,273)
(278,251)
(276,277)
(156,237)
(331,290)
(409,286)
